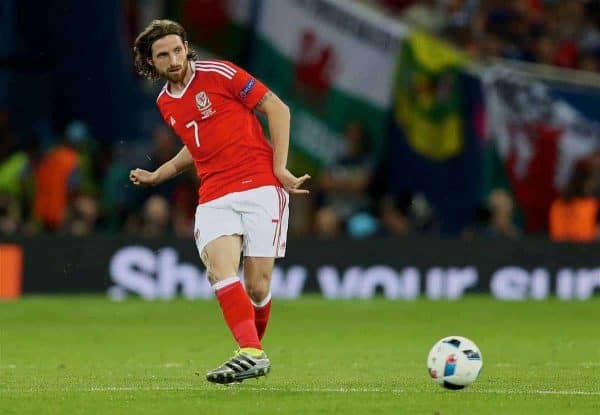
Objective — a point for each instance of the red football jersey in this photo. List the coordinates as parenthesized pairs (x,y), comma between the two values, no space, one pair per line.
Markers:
(214,118)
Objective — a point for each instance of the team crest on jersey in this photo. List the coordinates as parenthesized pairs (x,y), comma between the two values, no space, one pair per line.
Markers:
(204,105)
(202,101)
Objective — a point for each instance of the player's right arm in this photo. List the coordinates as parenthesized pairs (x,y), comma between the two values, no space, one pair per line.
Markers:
(178,164)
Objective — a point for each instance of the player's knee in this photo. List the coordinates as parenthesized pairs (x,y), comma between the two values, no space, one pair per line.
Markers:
(258,287)
(218,269)
(258,278)
(216,274)
(257,292)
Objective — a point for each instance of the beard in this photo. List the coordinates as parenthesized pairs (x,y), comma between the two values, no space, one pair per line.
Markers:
(175,73)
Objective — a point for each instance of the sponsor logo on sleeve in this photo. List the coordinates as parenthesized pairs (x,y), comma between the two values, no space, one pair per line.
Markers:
(247,88)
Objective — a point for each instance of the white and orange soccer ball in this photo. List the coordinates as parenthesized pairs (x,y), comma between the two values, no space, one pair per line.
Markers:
(454,362)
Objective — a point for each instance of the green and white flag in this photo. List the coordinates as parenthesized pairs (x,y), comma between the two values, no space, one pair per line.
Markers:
(332,62)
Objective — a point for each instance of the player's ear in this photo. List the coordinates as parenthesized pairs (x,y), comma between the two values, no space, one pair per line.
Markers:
(150,62)
(185,45)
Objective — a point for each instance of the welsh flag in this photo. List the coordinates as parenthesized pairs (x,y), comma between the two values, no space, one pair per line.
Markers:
(539,138)
(332,62)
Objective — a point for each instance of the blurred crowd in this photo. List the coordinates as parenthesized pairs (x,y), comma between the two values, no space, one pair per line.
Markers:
(564,33)
(76,186)
(353,198)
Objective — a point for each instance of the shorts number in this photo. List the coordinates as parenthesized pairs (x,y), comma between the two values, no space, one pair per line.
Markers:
(195,125)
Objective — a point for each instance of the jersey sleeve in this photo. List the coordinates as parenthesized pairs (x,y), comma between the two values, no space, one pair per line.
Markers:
(159,105)
(245,88)
(168,120)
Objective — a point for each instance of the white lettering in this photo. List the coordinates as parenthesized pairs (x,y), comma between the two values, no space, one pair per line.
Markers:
(435,284)
(289,286)
(564,284)
(587,281)
(458,280)
(510,283)
(410,280)
(333,287)
(194,283)
(382,276)
(170,276)
(540,284)
(131,267)
(159,275)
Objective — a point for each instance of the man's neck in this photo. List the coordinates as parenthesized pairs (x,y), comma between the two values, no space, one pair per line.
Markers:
(177,87)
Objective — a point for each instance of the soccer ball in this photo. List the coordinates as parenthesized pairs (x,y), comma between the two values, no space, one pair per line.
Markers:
(454,362)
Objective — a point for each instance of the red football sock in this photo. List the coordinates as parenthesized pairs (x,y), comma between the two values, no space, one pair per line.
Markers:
(238,312)
(262,312)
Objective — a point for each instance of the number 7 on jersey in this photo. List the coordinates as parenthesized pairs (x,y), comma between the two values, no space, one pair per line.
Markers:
(195,125)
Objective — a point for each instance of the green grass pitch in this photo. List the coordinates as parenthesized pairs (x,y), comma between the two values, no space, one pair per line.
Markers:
(87,355)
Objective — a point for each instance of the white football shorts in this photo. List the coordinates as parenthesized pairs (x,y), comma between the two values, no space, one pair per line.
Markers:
(259,215)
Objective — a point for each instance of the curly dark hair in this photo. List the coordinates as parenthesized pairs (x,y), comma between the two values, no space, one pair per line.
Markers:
(142,48)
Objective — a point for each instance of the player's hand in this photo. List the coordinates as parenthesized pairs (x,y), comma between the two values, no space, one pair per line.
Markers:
(142,178)
(292,183)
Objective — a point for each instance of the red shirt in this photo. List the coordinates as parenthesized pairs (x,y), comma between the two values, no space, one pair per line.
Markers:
(213,116)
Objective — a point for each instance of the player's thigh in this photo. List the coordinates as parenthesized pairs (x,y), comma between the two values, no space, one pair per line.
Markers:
(265,213)
(221,257)
(217,232)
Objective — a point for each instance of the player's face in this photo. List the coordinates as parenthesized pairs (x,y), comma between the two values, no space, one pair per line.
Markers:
(169,57)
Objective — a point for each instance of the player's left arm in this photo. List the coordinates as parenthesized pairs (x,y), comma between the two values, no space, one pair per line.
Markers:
(254,95)
(278,115)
